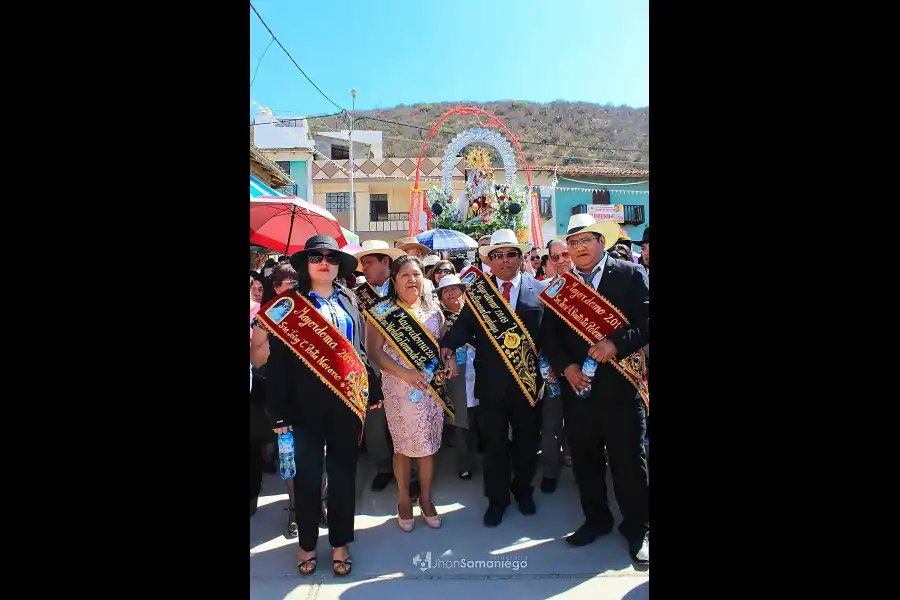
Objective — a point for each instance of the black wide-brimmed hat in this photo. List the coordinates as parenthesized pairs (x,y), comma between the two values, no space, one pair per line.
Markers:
(645,239)
(324,242)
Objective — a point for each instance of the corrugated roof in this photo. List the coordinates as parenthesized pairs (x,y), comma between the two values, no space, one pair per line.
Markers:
(278,176)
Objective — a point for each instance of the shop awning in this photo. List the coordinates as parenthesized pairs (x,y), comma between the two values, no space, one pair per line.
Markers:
(258,188)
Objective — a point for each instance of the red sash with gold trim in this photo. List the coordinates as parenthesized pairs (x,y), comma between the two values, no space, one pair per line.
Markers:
(594,318)
(366,296)
(294,320)
(505,330)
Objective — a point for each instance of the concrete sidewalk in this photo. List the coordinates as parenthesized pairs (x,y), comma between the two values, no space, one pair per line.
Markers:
(525,558)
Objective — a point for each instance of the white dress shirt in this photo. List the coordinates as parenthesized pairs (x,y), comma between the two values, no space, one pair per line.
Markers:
(471,400)
(514,292)
(383,288)
(597,270)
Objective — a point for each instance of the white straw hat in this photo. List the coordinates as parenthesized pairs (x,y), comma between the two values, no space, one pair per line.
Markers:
(504,238)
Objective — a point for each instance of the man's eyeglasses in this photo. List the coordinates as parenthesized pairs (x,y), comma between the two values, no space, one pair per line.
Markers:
(500,255)
(583,242)
(315,258)
(556,257)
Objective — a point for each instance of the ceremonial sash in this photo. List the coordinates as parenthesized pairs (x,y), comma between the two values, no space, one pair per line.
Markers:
(594,318)
(414,343)
(294,320)
(450,319)
(366,296)
(503,327)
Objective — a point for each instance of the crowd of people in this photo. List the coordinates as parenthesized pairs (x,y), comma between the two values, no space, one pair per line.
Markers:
(389,347)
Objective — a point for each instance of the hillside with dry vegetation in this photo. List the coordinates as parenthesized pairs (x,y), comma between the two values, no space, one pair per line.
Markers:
(583,131)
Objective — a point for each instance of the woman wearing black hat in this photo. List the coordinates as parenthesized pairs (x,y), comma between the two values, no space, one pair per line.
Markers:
(300,401)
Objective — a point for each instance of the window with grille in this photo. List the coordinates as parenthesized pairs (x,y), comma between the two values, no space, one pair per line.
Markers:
(546,202)
(337,201)
(339,152)
(284,165)
(634,214)
(378,207)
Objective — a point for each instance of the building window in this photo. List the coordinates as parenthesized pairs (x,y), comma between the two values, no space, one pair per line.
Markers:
(600,197)
(378,207)
(337,202)
(339,153)
(284,165)
(634,214)
(546,202)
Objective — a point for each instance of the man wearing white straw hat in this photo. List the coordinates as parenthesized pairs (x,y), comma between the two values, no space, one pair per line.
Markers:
(413,247)
(375,263)
(609,409)
(502,314)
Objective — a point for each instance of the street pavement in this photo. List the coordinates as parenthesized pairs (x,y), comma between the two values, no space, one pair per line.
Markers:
(524,558)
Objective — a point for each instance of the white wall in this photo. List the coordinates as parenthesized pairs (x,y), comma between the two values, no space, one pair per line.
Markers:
(372,139)
(268,133)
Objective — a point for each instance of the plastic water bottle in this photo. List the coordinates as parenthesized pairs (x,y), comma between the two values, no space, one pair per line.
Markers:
(461,356)
(550,379)
(415,394)
(588,369)
(287,466)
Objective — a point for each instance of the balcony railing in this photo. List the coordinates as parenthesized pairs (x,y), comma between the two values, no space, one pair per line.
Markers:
(395,221)
(634,214)
(288,190)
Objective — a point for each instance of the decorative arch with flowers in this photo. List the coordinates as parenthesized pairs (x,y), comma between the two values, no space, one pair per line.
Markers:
(487,205)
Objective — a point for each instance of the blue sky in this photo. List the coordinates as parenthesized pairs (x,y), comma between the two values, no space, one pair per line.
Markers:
(410,51)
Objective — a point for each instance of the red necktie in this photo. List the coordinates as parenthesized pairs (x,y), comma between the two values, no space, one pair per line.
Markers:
(507,285)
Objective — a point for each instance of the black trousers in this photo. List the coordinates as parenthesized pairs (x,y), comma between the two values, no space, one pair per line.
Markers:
(496,415)
(619,423)
(324,420)
(255,467)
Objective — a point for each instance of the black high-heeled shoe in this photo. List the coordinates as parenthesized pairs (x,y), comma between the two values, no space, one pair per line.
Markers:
(291,532)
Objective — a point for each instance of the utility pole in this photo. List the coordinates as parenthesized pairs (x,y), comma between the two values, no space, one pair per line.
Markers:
(352,192)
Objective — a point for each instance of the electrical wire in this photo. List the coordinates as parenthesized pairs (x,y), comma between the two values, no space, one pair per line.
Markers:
(274,37)
(259,61)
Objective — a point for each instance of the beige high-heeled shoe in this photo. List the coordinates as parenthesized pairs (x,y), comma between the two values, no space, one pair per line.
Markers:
(405,524)
(433,522)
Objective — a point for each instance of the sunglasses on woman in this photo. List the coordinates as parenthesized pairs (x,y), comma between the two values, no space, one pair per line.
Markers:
(535,258)
(556,257)
(316,257)
(444,271)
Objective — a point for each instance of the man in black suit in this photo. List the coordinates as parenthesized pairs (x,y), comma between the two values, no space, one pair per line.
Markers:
(613,415)
(502,401)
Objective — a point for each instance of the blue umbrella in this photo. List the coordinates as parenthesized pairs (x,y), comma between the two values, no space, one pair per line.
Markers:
(446,240)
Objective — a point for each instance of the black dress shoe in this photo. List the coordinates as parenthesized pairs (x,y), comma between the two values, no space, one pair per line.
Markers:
(381,481)
(526,504)
(415,490)
(548,485)
(493,515)
(586,534)
(639,549)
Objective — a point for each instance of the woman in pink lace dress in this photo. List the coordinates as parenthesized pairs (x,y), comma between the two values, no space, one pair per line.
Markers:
(416,429)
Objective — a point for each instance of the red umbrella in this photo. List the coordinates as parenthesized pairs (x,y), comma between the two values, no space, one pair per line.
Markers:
(284,223)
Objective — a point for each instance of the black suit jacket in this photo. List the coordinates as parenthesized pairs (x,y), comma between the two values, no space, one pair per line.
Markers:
(291,383)
(492,376)
(626,286)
